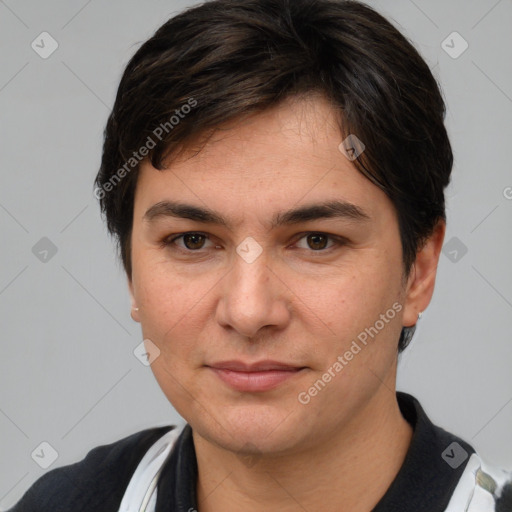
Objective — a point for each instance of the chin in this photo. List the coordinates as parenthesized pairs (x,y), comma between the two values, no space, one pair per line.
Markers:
(263,427)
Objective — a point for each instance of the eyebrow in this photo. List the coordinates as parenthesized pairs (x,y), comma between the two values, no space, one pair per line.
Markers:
(327,210)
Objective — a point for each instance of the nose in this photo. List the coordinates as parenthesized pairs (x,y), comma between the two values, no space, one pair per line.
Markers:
(253,297)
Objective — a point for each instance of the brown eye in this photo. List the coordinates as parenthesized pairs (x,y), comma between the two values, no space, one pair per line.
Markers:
(317,241)
(193,241)
(187,243)
(321,243)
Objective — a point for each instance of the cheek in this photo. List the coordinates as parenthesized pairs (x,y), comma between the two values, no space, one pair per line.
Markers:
(167,319)
(351,307)
(164,296)
(346,301)
(165,307)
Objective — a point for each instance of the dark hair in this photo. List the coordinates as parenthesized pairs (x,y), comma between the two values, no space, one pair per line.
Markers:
(225,59)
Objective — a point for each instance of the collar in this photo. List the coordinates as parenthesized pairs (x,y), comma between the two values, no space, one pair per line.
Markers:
(424,483)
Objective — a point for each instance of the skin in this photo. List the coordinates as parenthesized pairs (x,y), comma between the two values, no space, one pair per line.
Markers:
(295,303)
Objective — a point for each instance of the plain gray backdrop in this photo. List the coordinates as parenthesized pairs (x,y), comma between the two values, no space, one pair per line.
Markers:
(68,374)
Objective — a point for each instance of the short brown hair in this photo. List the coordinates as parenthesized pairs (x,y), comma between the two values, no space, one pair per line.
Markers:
(228,58)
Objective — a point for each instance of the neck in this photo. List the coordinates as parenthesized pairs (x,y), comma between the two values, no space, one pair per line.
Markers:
(350,471)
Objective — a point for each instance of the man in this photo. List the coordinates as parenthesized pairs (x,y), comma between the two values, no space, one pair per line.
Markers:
(274,173)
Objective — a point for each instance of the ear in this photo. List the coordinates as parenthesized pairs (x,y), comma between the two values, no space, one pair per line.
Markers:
(421,280)
(135,309)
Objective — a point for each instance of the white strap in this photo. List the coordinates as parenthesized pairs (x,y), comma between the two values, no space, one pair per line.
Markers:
(140,495)
(463,493)
(469,496)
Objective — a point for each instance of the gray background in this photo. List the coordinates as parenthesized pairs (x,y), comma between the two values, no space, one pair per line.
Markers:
(67,370)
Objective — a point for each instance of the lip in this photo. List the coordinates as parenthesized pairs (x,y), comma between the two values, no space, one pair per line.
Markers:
(258,366)
(252,377)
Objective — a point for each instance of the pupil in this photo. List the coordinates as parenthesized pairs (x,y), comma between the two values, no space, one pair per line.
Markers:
(317,239)
(193,241)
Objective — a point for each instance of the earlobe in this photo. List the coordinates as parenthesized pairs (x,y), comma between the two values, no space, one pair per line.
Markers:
(135,309)
(421,281)
(135,314)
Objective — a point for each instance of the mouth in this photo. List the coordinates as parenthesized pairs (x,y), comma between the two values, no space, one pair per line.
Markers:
(254,377)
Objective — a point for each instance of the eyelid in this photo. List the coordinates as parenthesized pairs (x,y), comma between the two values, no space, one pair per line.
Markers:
(337,240)
(170,239)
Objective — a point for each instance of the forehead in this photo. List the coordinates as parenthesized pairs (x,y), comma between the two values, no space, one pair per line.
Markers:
(286,155)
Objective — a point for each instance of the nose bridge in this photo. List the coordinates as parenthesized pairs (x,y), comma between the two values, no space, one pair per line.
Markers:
(250,281)
(250,299)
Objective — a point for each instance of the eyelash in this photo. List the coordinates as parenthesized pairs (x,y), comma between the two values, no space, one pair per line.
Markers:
(168,241)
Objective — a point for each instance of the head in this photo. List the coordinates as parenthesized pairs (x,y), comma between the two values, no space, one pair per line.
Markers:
(236,120)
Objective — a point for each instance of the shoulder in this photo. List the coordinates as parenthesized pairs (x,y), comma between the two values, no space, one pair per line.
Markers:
(97,482)
(447,473)
(482,488)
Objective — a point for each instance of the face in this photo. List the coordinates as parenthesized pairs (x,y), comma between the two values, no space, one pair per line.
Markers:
(259,269)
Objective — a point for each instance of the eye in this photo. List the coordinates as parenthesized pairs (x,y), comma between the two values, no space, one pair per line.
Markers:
(318,241)
(191,241)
